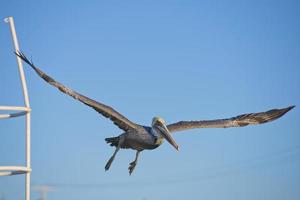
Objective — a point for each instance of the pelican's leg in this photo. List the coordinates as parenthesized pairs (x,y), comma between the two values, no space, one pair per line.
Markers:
(107,166)
(120,142)
(133,164)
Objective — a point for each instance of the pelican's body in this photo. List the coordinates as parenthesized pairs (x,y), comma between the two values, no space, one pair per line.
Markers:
(139,137)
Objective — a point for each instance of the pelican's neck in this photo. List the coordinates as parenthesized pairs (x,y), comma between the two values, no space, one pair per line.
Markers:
(158,137)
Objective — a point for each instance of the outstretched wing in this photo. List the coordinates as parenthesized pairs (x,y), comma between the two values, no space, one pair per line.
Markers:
(238,121)
(118,119)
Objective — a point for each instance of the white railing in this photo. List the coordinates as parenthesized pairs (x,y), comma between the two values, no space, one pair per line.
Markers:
(16,111)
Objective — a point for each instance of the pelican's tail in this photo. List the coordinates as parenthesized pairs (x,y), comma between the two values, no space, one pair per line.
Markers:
(113,141)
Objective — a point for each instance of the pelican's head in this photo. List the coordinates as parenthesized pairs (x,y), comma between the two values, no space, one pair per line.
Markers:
(160,126)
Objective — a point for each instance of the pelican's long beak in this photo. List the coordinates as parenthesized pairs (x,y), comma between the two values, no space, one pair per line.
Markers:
(167,135)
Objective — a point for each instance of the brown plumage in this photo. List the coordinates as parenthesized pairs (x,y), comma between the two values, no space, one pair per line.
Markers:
(107,111)
(139,137)
(238,121)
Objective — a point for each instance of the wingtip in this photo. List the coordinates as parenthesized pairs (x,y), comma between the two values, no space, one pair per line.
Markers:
(21,55)
(283,111)
(18,53)
(289,108)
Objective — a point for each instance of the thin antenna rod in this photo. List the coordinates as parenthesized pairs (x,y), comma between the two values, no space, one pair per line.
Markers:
(43,190)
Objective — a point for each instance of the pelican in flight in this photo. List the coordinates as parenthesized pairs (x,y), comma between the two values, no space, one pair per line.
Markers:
(140,137)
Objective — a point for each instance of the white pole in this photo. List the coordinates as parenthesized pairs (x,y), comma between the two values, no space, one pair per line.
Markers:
(10,20)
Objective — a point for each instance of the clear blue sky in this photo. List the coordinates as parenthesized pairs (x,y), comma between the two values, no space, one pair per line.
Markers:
(181,60)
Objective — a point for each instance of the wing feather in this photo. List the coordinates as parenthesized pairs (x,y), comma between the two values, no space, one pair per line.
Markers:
(107,111)
(238,121)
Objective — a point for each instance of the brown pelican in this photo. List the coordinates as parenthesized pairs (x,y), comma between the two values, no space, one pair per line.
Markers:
(139,137)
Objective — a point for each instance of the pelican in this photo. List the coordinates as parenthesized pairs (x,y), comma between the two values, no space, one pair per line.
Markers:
(140,137)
